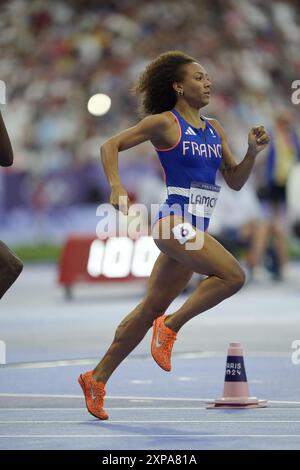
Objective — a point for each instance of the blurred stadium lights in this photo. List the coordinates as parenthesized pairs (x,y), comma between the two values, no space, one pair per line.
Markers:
(99,104)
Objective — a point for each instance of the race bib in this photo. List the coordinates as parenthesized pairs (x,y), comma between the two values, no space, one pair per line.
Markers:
(202,199)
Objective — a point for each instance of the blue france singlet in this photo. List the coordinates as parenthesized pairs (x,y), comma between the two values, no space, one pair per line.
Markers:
(195,157)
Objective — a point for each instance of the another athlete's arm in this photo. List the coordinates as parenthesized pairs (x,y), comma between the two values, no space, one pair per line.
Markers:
(235,174)
(6,152)
(149,128)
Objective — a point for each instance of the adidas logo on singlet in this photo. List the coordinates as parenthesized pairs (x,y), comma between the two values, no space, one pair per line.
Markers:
(190,131)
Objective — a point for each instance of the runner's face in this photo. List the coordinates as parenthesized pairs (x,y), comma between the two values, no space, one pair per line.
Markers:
(196,85)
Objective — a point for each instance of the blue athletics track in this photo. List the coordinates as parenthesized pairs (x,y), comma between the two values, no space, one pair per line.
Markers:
(50,341)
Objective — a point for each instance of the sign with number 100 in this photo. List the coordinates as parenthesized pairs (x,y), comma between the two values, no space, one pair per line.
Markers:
(120,257)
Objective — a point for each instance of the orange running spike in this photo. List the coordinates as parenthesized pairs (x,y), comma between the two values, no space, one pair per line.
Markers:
(94,393)
(162,343)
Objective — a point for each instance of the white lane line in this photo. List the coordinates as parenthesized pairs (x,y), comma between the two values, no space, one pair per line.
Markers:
(153,421)
(284,402)
(129,408)
(94,360)
(140,382)
(113,436)
(46,364)
(143,408)
(36,395)
(161,408)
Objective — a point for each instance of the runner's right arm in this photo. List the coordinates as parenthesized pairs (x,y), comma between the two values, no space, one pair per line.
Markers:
(151,127)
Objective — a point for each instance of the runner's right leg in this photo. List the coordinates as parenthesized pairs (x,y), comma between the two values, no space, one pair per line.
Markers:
(167,280)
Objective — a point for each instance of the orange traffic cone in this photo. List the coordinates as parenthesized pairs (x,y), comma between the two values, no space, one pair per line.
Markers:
(236,391)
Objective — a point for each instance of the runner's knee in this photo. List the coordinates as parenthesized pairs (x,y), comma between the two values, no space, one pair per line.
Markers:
(16,267)
(234,279)
(12,269)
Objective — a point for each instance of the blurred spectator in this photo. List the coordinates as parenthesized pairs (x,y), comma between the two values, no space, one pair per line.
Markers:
(237,218)
(282,155)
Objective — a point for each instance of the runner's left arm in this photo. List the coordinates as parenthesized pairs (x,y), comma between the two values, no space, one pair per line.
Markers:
(6,152)
(236,174)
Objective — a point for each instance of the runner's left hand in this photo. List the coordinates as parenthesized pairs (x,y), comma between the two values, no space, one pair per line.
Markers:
(258,139)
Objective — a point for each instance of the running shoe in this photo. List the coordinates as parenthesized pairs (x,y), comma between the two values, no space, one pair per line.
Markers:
(162,343)
(94,393)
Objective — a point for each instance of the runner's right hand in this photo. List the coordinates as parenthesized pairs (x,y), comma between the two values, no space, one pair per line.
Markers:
(119,198)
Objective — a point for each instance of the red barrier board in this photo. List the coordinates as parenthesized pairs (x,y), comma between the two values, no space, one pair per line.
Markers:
(89,259)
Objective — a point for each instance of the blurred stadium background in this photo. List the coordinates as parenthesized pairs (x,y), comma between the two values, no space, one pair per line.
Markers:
(56,55)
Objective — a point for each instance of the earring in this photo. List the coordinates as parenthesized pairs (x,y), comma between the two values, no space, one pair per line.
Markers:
(179,92)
